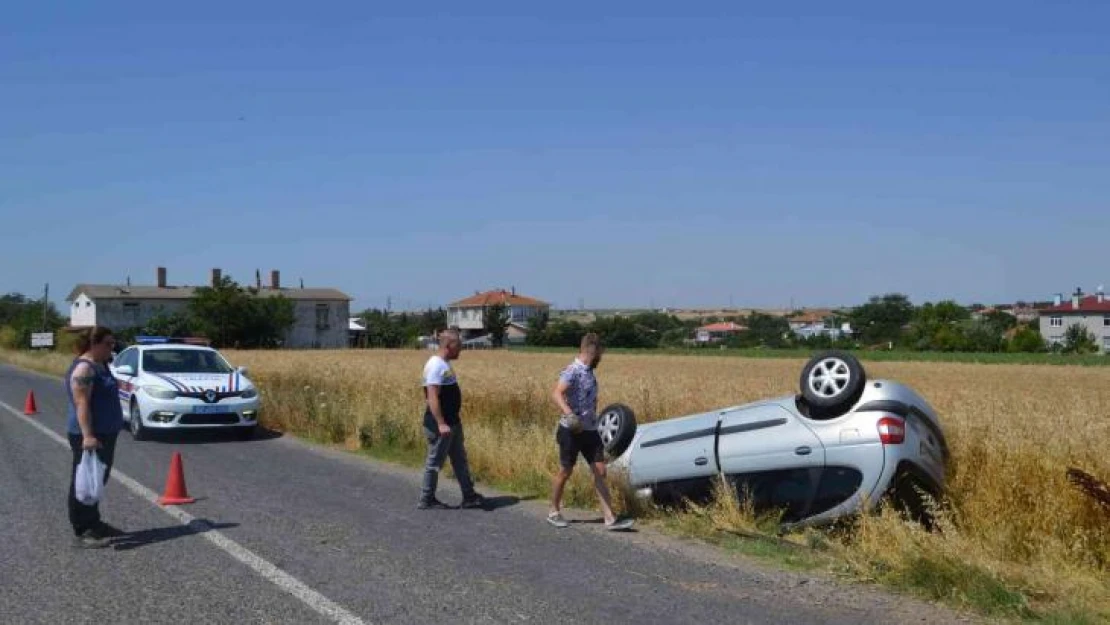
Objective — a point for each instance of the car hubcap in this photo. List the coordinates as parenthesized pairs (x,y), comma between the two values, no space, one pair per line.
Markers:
(134,419)
(607,427)
(830,377)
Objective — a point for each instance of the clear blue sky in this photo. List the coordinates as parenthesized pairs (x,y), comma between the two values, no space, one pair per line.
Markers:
(675,154)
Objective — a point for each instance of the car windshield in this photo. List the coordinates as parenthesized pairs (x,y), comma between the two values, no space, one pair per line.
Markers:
(184,361)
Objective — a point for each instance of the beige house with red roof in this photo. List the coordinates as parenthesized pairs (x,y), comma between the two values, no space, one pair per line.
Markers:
(717,331)
(468,313)
(1091,311)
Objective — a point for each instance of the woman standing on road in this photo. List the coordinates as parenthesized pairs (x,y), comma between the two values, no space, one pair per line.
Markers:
(94,421)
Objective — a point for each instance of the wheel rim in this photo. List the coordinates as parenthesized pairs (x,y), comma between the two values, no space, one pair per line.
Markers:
(608,426)
(136,420)
(830,377)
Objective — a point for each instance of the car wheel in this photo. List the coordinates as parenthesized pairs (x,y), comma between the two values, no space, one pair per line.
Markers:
(616,424)
(135,422)
(831,382)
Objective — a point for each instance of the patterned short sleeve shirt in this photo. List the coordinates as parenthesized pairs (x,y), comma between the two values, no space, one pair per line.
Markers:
(581,393)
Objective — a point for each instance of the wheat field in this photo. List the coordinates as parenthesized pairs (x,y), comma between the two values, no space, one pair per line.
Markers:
(1014,528)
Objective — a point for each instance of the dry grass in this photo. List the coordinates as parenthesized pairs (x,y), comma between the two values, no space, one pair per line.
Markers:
(1018,539)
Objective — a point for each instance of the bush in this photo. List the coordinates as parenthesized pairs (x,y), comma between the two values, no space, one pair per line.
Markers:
(9,338)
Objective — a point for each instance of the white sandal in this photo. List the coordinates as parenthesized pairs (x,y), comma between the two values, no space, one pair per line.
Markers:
(556,519)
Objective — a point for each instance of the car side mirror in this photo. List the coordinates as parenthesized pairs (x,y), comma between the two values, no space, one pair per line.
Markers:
(125,370)
(241,370)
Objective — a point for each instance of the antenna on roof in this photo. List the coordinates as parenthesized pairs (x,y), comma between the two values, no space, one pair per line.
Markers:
(302,283)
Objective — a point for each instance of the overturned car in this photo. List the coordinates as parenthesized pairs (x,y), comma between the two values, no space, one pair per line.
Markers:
(838,447)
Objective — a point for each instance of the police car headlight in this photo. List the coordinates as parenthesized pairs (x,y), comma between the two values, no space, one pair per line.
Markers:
(249,393)
(160,393)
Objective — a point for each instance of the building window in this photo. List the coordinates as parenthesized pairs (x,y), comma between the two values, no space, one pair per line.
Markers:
(322,317)
(1106,321)
(1056,322)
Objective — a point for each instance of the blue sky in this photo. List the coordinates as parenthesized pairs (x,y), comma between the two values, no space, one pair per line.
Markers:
(613,154)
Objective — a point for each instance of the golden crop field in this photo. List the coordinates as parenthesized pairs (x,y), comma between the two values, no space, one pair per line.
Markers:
(1016,527)
(1013,429)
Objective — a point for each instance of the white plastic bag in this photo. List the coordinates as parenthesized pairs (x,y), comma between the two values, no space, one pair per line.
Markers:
(90,478)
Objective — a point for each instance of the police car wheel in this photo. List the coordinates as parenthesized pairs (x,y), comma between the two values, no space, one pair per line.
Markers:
(135,422)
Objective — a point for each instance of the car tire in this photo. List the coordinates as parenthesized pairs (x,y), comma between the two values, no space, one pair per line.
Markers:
(135,422)
(616,423)
(831,383)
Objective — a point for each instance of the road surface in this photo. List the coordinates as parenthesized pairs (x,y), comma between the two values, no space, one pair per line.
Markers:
(287,532)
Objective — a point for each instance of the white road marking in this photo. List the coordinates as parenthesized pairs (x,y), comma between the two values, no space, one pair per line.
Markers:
(268,571)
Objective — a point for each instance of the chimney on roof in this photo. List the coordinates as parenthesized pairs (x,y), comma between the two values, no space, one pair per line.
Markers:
(275,279)
(514,291)
(1057,299)
(216,274)
(1099,294)
(1075,297)
(161,277)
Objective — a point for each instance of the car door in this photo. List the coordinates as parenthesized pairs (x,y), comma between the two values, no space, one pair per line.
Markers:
(675,457)
(772,457)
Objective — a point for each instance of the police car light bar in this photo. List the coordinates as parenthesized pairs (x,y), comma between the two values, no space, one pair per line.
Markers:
(158,340)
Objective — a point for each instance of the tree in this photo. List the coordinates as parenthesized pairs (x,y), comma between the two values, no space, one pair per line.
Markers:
(881,319)
(767,330)
(1026,339)
(231,316)
(172,324)
(495,321)
(1079,340)
(24,316)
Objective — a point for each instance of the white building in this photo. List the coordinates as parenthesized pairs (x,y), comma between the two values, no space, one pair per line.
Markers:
(321,314)
(468,314)
(1092,312)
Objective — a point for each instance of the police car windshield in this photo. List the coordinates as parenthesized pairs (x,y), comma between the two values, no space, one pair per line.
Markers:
(184,361)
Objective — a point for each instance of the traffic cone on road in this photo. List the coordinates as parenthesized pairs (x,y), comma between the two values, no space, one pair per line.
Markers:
(175,492)
(29,406)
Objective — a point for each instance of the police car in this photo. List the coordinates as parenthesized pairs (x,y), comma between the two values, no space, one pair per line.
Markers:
(179,384)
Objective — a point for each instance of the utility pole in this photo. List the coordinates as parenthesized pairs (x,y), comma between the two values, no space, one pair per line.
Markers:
(45,304)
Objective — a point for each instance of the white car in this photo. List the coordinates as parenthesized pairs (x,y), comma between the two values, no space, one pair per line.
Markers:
(168,384)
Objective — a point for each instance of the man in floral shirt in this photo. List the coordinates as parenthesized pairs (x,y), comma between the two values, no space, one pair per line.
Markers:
(576,396)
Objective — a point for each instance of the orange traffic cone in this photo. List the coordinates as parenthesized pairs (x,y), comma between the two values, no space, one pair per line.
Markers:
(175,492)
(29,406)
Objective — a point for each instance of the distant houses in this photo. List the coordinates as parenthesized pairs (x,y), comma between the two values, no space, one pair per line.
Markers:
(716,332)
(322,318)
(467,315)
(813,323)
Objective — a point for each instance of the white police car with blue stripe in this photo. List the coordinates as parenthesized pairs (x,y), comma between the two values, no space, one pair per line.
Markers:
(177,384)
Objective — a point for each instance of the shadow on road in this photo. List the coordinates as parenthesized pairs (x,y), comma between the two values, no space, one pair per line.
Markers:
(495,503)
(126,541)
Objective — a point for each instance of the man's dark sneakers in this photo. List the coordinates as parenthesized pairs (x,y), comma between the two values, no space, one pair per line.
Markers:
(90,539)
(474,501)
(433,504)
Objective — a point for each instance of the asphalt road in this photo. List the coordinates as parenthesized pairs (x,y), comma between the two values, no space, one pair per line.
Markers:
(286,532)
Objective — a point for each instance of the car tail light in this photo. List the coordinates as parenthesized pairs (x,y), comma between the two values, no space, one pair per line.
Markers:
(892,430)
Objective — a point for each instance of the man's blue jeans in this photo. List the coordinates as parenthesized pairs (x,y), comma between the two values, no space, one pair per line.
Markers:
(440,448)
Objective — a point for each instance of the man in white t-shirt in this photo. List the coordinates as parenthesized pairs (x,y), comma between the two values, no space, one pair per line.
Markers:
(443,427)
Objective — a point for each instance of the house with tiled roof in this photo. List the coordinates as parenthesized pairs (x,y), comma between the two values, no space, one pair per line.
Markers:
(1089,311)
(717,331)
(468,314)
(811,323)
(321,314)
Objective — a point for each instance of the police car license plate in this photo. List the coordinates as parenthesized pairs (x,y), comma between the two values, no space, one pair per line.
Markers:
(208,409)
